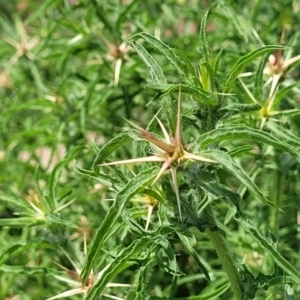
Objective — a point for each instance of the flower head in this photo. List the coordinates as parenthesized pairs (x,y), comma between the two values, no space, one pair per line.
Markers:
(172,155)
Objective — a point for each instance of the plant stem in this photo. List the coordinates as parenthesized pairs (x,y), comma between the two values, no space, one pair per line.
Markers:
(224,253)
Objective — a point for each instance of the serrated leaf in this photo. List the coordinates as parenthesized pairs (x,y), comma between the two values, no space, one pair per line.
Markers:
(142,280)
(201,95)
(159,78)
(155,70)
(244,132)
(203,39)
(164,49)
(119,140)
(245,60)
(108,181)
(278,258)
(8,269)
(169,263)
(226,161)
(284,134)
(241,107)
(186,242)
(189,67)
(105,229)
(117,265)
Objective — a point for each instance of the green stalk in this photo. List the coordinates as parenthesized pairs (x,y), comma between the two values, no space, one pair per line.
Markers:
(225,255)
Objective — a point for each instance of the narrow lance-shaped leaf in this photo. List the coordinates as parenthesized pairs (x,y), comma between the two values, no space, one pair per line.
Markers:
(244,132)
(20,222)
(278,258)
(117,265)
(158,78)
(150,62)
(258,90)
(168,52)
(55,177)
(203,37)
(191,250)
(168,263)
(245,60)
(105,229)
(226,161)
(200,95)
(108,148)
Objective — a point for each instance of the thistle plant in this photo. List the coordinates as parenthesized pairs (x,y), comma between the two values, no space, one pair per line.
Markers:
(174,152)
(199,200)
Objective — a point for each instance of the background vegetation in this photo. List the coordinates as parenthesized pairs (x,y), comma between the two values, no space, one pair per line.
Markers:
(71,72)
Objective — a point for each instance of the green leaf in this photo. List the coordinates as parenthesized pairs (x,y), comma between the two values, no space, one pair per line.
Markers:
(165,256)
(40,10)
(207,73)
(240,107)
(30,271)
(245,60)
(244,132)
(155,70)
(158,77)
(281,94)
(189,245)
(103,179)
(16,201)
(216,61)
(200,95)
(106,227)
(226,161)
(55,178)
(278,258)
(21,222)
(168,52)
(118,264)
(119,140)
(188,65)
(142,280)
(283,133)
(203,39)
(258,85)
